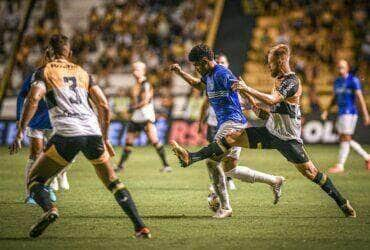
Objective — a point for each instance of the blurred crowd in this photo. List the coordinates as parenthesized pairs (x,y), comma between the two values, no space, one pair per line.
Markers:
(118,33)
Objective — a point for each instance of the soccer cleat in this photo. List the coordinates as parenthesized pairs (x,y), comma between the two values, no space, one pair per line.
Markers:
(54,184)
(46,219)
(143,233)
(63,181)
(166,169)
(223,213)
(276,189)
(348,210)
(367,165)
(29,200)
(336,169)
(231,184)
(53,197)
(181,153)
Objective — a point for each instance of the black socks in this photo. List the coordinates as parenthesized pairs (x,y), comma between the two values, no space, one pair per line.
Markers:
(213,149)
(324,181)
(124,199)
(40,194)
(161,152)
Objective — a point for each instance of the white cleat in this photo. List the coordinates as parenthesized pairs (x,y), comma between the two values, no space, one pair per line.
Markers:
(276,189)
(63,181)
(54,184)
(231,184)
(166,169)
(223,213)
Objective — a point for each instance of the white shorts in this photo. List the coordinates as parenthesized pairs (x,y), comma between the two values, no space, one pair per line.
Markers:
(227,128)
(346,124)
(39,133)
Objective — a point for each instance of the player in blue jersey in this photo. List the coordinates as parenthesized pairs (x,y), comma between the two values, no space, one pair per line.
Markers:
(347,91)
(217,80)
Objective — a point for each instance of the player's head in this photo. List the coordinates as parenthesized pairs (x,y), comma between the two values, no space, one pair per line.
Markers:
(343,67)
(58,47)
(201,55)
(222,59)
(138,69)
(278,59)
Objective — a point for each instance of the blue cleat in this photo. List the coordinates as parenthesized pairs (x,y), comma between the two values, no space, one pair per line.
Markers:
(29,200)
(53,197)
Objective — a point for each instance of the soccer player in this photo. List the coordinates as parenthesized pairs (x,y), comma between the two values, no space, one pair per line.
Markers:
(143,118)
(347,89)
(282,130)
(218,80)
(67,89)
(254,176)
(38,131)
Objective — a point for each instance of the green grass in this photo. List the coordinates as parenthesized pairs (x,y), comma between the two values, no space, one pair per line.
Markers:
(174,207)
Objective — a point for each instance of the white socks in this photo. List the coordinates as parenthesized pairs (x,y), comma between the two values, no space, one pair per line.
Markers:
(249,175)
(219,183)
(26,173)
(359,150)
(344,148)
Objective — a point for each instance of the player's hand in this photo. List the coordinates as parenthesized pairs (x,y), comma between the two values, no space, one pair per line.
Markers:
(175,68)
(17,143)
(324,115)
(109,148)
(240,86)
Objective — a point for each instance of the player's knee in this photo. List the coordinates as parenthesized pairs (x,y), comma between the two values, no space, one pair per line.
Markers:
(211,163)
(308,170)
(115,185)
(229,163)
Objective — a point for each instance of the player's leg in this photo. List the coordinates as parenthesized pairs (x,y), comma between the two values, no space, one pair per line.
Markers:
(95,152)
(59,152)
(312,173)
(151,132)
(218,179)
(344,148)
(245,174)
(359,150)
(127,148)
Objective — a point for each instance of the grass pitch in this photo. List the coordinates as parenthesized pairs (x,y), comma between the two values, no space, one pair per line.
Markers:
(174,206)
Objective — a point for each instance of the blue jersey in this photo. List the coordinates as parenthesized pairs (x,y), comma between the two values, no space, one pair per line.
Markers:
(222,98)
(344,89)
(41,118)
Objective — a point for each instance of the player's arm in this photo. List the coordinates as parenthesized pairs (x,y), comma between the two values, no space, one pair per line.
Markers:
(193,81)
(102,106)
(36,93)
(326,111)
(269,99)
(203,114)
(362,104)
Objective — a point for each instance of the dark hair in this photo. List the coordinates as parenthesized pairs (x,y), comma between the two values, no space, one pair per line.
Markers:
(57,43)
(218,55)
(199,51)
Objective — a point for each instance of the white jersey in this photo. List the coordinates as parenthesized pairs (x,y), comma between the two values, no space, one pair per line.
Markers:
(145,113)
(212,118)
(67,86)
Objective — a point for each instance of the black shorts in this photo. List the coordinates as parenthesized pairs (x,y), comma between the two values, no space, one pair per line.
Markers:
(292,150)
(64,149)
(211,133)
(134,127)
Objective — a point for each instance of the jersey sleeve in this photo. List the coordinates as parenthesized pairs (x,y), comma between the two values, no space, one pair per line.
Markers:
(23,94)
(356,84)
(288,87)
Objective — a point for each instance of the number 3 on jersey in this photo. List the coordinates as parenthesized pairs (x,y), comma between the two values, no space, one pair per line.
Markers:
(72,82)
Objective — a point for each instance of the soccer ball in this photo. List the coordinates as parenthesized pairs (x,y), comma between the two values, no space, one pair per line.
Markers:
(213,202)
